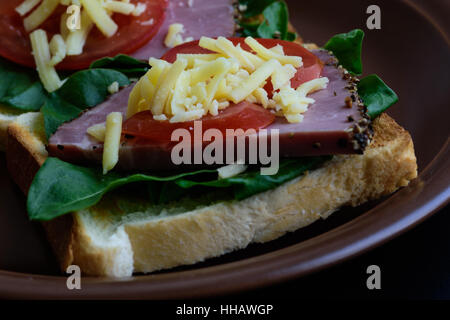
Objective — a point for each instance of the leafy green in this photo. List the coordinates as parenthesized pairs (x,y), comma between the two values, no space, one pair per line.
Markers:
(59,187)
(376,95)
(252,182)
(88,88)
(275,20)
(275,24)
(125,64)
(56,111)
(347,48)
(254,7)
(20,87)
(291,36)
(82,90)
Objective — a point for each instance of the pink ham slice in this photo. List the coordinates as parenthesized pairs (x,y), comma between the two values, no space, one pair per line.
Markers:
(211,18)
(330,126)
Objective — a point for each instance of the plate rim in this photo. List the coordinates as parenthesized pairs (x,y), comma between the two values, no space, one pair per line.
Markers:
(260,270)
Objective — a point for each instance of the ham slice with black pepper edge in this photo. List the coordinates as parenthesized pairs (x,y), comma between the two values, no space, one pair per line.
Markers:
(335,124)
(210,18)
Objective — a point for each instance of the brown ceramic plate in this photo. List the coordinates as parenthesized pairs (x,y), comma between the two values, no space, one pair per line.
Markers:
(411,53)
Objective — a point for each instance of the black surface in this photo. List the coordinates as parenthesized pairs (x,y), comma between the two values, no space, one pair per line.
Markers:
(415,265)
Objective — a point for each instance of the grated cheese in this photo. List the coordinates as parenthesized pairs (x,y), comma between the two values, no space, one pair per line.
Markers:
(119,7)
(88,13)
(27,6)
(174,36)
(231,170)
(42,57)
(76,39)
(40,14)
(140,9)
(113,132)
(97,131)
(57,49)
(100,17)
(113,87)
(199,84)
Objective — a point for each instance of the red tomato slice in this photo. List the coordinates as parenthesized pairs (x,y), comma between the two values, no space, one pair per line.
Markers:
(311,69)
(131,35)
(244,116)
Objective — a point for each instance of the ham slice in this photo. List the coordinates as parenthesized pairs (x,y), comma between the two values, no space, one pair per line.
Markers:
(210,18)
(326,124)
(335,124)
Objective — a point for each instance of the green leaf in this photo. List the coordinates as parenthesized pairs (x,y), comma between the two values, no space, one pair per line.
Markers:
(57,111)
(275,24)
(275,21)
(347,48)
(127,65)
(252,182)
(291,36)
(31,99)
(249,29)
(82,90)
(59,187)
(254,7)
(20,87)
(376,95)
(88,88)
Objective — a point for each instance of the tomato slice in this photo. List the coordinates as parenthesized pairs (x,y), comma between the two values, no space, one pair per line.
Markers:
(311,69)
(132,34)
(243,115)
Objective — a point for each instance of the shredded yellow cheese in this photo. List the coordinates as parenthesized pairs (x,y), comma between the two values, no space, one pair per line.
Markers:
(40,14)
(63,28)
(76,39)
(231,170)
(57,49)
(26,6)
(119,7)
(140,9)
(42,57)
(113,87)
(71,41)
(174,36)
(113,132)
(97,131)
(100,17)
(199,84)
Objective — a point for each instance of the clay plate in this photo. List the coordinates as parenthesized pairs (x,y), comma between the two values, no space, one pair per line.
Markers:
(411,53)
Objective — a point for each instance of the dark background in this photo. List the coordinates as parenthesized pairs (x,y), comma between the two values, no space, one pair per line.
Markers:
(415,265)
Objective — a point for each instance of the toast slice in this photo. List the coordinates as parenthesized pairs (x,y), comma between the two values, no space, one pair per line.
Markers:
(7,115)
(123,234)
